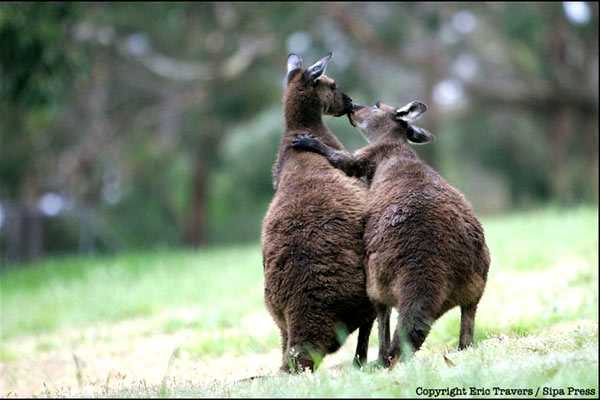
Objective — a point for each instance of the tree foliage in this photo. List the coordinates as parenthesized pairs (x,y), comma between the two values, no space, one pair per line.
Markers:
(157,124)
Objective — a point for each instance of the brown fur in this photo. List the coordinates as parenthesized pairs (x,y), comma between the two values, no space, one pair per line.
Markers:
(426,251)
(313,255)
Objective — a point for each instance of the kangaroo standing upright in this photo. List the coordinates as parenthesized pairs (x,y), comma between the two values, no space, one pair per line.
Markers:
(426,251)
(313,254)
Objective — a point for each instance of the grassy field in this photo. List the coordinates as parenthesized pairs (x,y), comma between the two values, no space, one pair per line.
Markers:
(193,324)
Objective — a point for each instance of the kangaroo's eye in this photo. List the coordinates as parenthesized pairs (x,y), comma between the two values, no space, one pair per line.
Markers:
(376,105)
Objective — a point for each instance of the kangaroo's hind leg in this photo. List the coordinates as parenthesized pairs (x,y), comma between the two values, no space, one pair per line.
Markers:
(285,362)
(362,346)
(383,330)
(467,324)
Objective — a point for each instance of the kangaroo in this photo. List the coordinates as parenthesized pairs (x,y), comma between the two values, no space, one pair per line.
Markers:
(426,251)
(313,254)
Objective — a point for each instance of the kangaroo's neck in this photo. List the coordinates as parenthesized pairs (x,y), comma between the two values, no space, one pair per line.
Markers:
(301,116)
(305,116)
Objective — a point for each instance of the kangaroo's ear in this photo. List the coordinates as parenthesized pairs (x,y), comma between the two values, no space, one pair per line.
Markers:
(294,63)
(417,135)
(316,71)
(411,112)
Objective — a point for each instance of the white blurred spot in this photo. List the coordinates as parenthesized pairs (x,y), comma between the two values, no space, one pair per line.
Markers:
(137,43)
(578,12)
(298,42)
(448,92)
(465,66)
(51,204)
(464,22)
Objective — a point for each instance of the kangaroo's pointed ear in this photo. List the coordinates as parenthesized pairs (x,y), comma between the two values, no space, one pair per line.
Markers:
(294,63)
(411,112)
(417,135)
(316,71)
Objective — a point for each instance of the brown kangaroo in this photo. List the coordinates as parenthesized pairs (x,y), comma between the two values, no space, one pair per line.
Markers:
(313,254)
(426,251)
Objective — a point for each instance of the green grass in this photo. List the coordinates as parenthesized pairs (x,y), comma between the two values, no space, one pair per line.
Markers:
(536,240)
(536,325)
(76,291)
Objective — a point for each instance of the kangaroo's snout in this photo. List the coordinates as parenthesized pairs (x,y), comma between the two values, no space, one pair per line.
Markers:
(348,104)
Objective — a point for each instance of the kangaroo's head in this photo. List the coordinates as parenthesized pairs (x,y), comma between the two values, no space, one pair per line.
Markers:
(313,90)
(382,119)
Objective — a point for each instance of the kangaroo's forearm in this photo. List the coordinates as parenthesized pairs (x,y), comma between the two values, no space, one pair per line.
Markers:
(340,159)
(349,163)
(346,162)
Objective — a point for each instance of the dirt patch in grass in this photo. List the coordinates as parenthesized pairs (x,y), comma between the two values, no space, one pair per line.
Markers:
(135,357)
(83,362)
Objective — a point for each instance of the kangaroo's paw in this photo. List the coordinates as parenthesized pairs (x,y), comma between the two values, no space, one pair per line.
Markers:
(305,142)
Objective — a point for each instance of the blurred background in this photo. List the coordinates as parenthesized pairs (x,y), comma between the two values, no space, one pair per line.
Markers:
(130,126)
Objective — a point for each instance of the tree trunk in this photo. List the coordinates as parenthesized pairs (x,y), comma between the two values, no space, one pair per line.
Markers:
(14,227)
(34,236)
(559,167)
(196,221)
